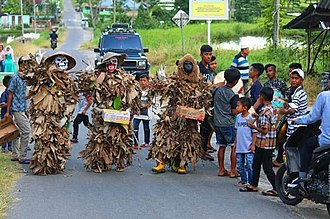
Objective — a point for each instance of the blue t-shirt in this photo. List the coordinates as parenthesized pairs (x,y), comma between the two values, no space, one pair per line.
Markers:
(244,133)
(255,91)
(3,100)
(18,88)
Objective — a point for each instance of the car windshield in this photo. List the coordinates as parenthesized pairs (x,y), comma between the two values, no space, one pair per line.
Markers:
(122,43)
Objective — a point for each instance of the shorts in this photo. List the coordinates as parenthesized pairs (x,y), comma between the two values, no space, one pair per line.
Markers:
(225,136)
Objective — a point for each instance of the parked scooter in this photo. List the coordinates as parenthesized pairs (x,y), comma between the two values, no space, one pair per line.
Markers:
(316,187)
(53,44)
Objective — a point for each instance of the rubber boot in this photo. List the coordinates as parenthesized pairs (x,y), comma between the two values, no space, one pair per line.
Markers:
(160,168)
(181,170)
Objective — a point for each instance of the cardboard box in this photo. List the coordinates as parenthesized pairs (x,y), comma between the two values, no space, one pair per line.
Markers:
(116,116)
(8,130)
(190,113)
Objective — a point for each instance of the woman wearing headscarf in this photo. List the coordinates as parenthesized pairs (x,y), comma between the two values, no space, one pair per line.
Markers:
(2,58)
(9,59)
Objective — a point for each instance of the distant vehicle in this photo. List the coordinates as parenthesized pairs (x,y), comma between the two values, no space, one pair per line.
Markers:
(119,38)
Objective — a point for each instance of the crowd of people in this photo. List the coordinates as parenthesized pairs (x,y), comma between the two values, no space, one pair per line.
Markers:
(248,124)
(243,119)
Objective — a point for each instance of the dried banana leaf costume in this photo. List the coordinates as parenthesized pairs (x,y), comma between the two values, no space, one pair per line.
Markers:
(177,140)
(112,88)
(53,99)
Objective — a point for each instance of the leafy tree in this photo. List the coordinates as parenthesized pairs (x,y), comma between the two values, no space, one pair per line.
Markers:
(247,10)
(266,22)
(182,4)
(14,7)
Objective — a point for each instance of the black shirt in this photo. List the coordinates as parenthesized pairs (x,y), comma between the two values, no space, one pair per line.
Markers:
(206,72)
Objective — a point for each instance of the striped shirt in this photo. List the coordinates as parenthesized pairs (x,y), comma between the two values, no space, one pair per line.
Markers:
(242,64)
(266,120)
(299,98)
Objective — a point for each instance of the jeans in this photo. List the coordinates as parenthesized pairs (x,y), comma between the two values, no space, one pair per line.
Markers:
(146,129)
(244,165)
(79,118)
(306,152)
(21,143)
(2,66)
(263,157)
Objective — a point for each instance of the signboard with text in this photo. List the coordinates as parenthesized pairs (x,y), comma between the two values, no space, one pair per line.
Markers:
(208,10)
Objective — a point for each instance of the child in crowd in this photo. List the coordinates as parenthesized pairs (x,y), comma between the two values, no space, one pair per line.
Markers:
(85,101)
(265,143)
(255,71)
(225,103)
(245,141)
(144,117)
(3,103)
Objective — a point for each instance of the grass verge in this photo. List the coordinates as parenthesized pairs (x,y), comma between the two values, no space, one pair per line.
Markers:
(8,177)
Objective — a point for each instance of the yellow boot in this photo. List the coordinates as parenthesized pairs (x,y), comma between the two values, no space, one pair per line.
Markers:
(160,168)
(181,170)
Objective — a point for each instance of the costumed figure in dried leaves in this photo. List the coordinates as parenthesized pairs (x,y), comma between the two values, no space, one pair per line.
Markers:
(53,99)
(116,97)
(176,137)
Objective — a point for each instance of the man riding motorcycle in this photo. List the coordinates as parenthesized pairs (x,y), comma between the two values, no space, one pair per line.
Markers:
(320,111)
(53,39)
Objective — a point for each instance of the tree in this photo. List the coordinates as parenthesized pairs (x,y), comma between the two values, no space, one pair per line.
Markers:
(182,4)
(247,10)
(267,20)
(14,7)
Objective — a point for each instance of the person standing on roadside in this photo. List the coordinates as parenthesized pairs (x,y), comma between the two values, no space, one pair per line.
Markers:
(17,104)
(3,104)
(205,70)
(225,104)
(2,58)
(241,62)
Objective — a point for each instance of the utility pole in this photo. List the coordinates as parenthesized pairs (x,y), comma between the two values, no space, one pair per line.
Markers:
(22,20)
(276,33)
(34,18)
(92,13)
(114,11)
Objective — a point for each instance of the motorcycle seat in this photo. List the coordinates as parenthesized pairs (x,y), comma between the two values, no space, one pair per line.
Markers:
(321,149)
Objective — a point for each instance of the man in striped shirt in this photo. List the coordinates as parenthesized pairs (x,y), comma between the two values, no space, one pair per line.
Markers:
(241,62)
(298,104)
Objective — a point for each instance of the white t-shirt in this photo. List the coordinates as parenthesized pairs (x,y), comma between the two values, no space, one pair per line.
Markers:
(244,133)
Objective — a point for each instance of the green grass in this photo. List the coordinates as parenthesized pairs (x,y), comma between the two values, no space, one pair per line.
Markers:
(8,177)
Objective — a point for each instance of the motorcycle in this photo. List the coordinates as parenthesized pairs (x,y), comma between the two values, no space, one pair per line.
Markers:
(53,43)
(316,187)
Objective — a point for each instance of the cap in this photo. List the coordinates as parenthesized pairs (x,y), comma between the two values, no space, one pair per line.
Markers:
(244,46)
(299,72)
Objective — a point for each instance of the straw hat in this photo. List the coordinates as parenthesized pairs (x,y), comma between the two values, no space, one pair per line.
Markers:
(72,61)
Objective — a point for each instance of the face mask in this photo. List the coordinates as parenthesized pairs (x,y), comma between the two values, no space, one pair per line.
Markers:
(188,67)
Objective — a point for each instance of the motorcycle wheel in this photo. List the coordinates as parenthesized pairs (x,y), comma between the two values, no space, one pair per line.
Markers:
(281,183)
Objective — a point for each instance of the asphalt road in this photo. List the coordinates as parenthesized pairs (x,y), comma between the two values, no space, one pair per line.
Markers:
(137,192)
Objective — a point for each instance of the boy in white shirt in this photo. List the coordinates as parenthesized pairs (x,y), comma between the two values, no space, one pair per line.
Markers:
(245,141)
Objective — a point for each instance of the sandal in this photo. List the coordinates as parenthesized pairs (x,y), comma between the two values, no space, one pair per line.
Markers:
(224,174)
(270,193)
(241,184)
(248,189)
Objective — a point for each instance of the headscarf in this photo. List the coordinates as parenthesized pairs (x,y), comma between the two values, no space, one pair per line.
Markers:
(11,51)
